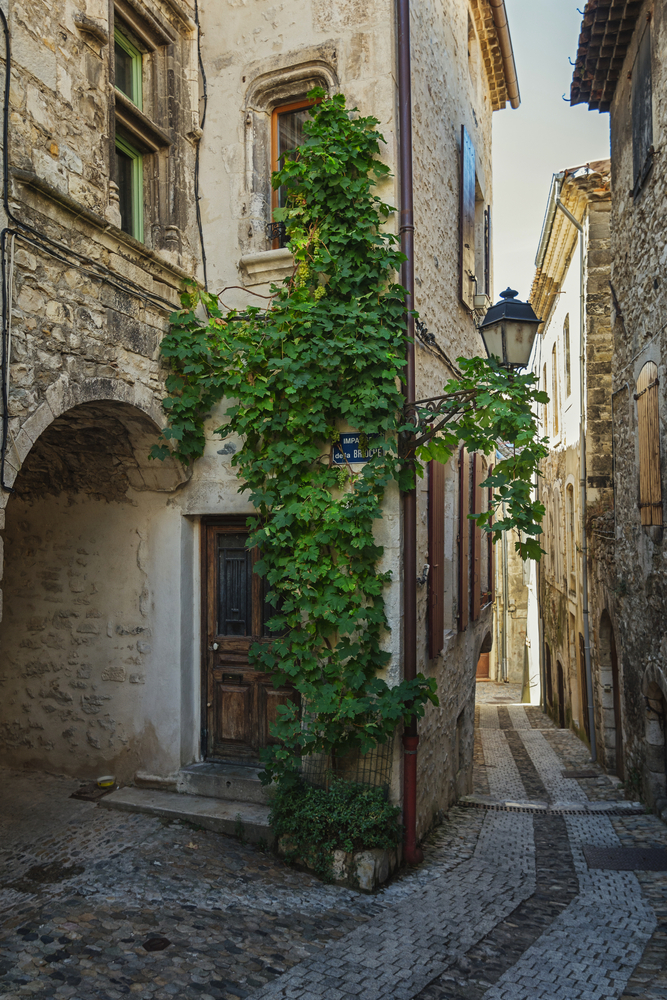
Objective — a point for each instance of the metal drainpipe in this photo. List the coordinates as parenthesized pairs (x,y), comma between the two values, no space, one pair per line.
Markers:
(411,852)
(505,599)
(582,476)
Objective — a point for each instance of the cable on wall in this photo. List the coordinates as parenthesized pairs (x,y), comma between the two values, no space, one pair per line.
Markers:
(200,62)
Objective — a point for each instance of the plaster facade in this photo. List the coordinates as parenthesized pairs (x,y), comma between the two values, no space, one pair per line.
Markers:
(101,633)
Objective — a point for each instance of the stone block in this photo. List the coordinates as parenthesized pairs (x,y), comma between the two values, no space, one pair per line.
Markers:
(37,423)
(33,55)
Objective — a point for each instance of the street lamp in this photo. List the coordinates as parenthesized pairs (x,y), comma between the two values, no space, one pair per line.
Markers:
(508,330)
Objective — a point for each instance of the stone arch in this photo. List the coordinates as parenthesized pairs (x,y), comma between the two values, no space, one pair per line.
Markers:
(64,396)
(92,540)
(610,697)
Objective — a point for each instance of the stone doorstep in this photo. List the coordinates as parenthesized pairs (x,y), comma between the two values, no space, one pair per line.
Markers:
(231,782)
(249,820)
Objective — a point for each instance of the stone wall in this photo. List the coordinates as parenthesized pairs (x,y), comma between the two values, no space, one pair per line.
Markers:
(86,378)
(636,591)
(556,295)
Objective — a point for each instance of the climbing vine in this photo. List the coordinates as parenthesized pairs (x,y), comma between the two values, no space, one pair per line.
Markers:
(329,352)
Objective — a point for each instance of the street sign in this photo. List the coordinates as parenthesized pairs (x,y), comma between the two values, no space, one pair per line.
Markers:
(349,448)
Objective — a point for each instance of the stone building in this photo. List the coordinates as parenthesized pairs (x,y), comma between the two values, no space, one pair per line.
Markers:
(507,660)
(632,606)
(570,294)
(142,135)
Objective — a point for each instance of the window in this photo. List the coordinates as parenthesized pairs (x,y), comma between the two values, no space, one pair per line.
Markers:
(464,539)
(129,68)
(642,114)
(568,360)
(571,538)
(468,211)
(545,410)
(554,389)
(146,83)
(286,135)
(648,428)
(130,180)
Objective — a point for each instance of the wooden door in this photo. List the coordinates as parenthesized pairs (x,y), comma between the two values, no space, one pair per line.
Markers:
(483,667)
(239,703)
(561,695)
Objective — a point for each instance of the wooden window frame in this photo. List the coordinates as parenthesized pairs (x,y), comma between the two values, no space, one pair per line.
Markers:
(491,568)
(648,433)
(436,557)
(477,476)
(464,540)
(137,228)
(281,109)
(642,112)
(137,68)
(467,220)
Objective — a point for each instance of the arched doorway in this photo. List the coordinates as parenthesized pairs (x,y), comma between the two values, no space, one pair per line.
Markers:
(561,694)
(92,549)
(483,662)
(612,721)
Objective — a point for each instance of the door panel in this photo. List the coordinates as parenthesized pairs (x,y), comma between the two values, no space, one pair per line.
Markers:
(269,700)
(240,703)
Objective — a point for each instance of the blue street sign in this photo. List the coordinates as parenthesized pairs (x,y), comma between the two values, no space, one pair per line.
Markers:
(349,448)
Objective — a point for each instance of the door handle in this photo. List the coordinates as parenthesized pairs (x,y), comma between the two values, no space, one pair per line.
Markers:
(208,704)
(213,647)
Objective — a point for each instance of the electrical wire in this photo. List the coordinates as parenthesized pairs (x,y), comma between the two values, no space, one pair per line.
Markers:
(198,148)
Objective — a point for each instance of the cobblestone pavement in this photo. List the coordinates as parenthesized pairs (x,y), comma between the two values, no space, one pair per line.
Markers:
(99,905)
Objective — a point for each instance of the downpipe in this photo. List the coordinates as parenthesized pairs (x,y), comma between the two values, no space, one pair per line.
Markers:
(412,854)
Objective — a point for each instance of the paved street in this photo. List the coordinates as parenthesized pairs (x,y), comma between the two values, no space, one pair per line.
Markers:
(504,906)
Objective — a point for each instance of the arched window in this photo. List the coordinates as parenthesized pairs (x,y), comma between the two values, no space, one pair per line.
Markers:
(558,539)
(554,388)
(571,539)
(648,428)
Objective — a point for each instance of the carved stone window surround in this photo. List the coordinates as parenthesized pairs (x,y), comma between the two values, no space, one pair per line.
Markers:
(282,84)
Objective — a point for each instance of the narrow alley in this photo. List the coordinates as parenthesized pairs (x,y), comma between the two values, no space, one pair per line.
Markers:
(533,887)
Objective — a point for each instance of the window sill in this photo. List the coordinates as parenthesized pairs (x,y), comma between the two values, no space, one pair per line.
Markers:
(146,134)
(267,267)
(31,180)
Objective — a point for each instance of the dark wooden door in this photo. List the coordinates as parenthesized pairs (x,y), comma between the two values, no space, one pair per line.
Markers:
(239,703)
(617,709)
(561,695)
(584,687)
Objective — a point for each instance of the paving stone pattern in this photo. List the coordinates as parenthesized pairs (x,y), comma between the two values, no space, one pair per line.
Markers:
(504,906)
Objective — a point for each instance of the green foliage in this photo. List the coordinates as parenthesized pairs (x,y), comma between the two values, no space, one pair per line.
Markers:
(328,351)
(313,822)
(488,404)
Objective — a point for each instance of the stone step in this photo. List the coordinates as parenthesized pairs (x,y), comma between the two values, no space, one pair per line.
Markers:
(247,820)
(215,780)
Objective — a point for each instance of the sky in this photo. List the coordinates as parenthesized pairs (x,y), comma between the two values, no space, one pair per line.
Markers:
(545,135)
